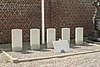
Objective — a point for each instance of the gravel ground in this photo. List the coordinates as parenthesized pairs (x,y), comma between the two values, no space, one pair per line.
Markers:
(85,60)
(51,52)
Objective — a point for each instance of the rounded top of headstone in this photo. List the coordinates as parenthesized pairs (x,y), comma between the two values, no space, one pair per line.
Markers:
(51,28)
(66,28)
(35,29)
(16,29)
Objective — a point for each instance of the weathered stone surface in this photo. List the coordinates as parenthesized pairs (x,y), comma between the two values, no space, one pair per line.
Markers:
(17,40)
(61,46)
(51,36)
(79,35)
(35,38)
(66,34)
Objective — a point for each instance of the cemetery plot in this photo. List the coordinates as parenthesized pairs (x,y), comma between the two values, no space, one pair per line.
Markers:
(33,55)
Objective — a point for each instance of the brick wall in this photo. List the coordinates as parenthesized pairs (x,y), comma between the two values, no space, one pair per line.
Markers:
(26,14)
(72,13)
(22,14)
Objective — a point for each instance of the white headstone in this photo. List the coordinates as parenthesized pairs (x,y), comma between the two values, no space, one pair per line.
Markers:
(51,36)
(35,38)
(61,46)
(66,34)
(17,40)
(79,35)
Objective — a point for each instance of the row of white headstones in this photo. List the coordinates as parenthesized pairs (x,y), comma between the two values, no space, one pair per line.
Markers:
(51,36)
